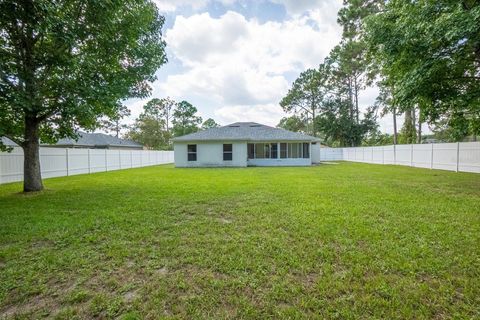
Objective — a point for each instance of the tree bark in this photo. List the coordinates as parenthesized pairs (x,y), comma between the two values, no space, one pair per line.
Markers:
(32,177)
(419,132)
(357,112)
(409,129)
(313,119)
(395,133)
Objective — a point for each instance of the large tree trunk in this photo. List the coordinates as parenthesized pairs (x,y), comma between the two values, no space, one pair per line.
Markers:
(32,177)
(419,132)
(313,119)
(409,129)
(357,111)
(395,133)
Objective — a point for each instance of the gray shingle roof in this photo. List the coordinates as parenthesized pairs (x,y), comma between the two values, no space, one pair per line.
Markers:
(98,140)
(89,140)
(245,131)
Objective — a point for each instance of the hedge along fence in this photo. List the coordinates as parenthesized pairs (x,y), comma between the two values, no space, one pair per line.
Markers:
(58,162)
(460,156)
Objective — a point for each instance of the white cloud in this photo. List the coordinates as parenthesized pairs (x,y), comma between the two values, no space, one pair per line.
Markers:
(239,63)
(322,7)
(237,69)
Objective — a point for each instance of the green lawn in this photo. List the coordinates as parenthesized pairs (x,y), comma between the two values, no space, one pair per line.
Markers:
(342,241)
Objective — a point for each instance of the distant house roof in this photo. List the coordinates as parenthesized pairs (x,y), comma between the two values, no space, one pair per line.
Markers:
(245,131)
(88,140)
(97,140)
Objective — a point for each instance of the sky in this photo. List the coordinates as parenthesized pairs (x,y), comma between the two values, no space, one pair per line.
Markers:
(236,59)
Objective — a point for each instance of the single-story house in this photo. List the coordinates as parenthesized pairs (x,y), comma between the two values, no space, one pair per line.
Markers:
(89,141)
(243,144)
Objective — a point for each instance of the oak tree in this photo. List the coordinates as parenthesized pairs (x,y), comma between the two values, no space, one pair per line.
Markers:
(66,64)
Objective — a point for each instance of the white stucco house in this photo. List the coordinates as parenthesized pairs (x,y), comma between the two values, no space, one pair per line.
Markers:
(243,144)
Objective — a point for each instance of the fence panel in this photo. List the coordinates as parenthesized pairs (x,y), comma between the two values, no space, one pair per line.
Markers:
(403,154)
(78,162)
(53,162)
(136,159)
(125,159)
(57,162)
(329,154)
(113,160)
(98,160)
(422,155)
(377,155)
(463,156)
(389,154)
(469,157)
(445,156)
(11,166)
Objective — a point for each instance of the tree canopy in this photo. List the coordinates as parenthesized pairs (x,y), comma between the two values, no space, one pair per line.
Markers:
(430,51)
(152,127)
(65,65)
(209,123)
(113,123)
(185,119)
(305,96)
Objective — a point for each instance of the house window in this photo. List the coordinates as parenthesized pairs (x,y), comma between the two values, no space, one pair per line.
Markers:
(306,150)
(192,152)
(227,152)
(283,150)
(251,151)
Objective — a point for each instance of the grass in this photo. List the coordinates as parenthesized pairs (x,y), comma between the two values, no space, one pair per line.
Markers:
(342,241)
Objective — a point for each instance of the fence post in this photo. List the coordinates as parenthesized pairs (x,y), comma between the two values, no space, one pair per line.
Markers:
(119,159)
(431,159)
(66,154)
(458,155)
(394,154)
(411,155)
(89,165)
(131,159)
(383,154)
(106,163)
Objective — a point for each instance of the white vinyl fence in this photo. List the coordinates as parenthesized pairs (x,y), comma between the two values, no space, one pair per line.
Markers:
(461,156)
(58,162)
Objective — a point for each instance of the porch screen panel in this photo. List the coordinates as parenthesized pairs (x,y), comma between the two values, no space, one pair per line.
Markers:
(283,150)
(306,150)
(259,151)
(267,150)
(274,150)
(294,150)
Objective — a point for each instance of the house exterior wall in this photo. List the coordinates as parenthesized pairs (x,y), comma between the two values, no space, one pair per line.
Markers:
(210,154)
(315,152)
